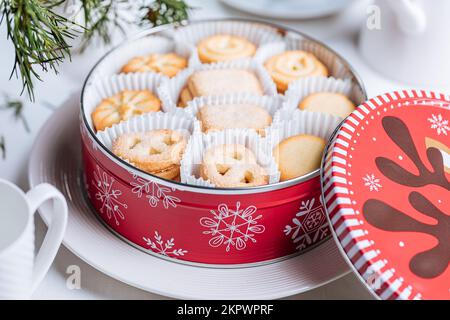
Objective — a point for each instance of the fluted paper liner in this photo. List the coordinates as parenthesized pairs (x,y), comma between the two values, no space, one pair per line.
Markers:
(257,33)
(199,143)
(272,104)
(293,41)
(300,89)
(287,119)
(113,63)
(177,120)
(170,89)
(108,86)
(313,123)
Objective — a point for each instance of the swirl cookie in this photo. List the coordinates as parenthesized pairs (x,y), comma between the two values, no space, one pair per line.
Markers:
(232,166)
(327,102)
(157,152)
(218,82)
(168,64)
(122,106)
(292,65)
(223,47)
(298,155)
(220,117)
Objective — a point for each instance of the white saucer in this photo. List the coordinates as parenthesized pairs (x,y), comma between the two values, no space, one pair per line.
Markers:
(289,9)
(56,159)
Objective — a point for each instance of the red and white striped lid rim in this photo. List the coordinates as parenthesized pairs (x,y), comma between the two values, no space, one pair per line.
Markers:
(367,166)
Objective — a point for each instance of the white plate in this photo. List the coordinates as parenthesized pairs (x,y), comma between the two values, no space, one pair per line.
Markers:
(56,159)
(289,9)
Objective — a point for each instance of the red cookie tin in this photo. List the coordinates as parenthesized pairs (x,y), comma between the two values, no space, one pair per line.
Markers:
(200,225)
(386,189)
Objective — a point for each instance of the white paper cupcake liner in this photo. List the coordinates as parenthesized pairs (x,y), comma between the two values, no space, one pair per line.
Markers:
(272,104)
(105,87)
(176,120)
(313,123)
(113,63)
(199,143)
(292,41)
(300,89)
(257,33)
(170,89)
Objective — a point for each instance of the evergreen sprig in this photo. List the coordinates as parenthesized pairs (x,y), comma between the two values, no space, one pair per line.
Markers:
(3,147)
(16,106)
(100,16)
(165,11)
(39,34)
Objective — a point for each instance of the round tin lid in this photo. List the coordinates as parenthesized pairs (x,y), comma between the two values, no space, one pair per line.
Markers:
(385,179)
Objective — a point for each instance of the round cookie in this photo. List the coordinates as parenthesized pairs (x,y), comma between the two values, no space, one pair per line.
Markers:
(223,47)
(122,106)
(327,102)
(157,152)
(298,155)
(292,65)
(168,64)
(232,166)
(220,117)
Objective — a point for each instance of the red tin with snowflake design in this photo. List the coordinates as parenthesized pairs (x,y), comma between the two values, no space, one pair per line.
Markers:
(386,188)
(206,226)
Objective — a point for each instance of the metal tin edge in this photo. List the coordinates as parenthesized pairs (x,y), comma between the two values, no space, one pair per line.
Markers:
(202,189)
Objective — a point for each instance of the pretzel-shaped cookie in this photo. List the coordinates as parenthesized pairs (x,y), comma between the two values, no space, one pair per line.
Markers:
(155,151)
(232,165)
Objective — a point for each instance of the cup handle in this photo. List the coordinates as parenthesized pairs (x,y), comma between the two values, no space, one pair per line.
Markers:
(56,228)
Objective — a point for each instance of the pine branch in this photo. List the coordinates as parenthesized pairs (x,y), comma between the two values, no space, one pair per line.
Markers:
(100,16)
(16,106)
(38,35)
(161,12)
(3,147)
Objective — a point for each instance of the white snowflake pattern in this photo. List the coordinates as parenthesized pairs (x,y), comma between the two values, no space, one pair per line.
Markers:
(232,227)
(309,225)
(439,124)
(165,248)
(154,192)
(108,196)
(372,182)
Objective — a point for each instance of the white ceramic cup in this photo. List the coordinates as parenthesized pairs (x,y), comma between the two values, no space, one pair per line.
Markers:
(408,40)
(20,270)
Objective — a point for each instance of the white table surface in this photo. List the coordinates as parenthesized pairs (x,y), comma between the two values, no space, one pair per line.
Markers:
(339,31)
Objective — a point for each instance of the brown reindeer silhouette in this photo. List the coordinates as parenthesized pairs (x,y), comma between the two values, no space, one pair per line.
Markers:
(433,262)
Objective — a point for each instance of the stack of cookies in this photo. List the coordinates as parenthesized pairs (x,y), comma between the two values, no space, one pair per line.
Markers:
(157,152)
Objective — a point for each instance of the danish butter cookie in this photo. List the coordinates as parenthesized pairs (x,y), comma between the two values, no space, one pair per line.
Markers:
(232,166)
(168,64)
(122,106)
(220,117)
(298,155)
(157,152)
(327,102)
(218,82)
(292,65)
(224,47)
